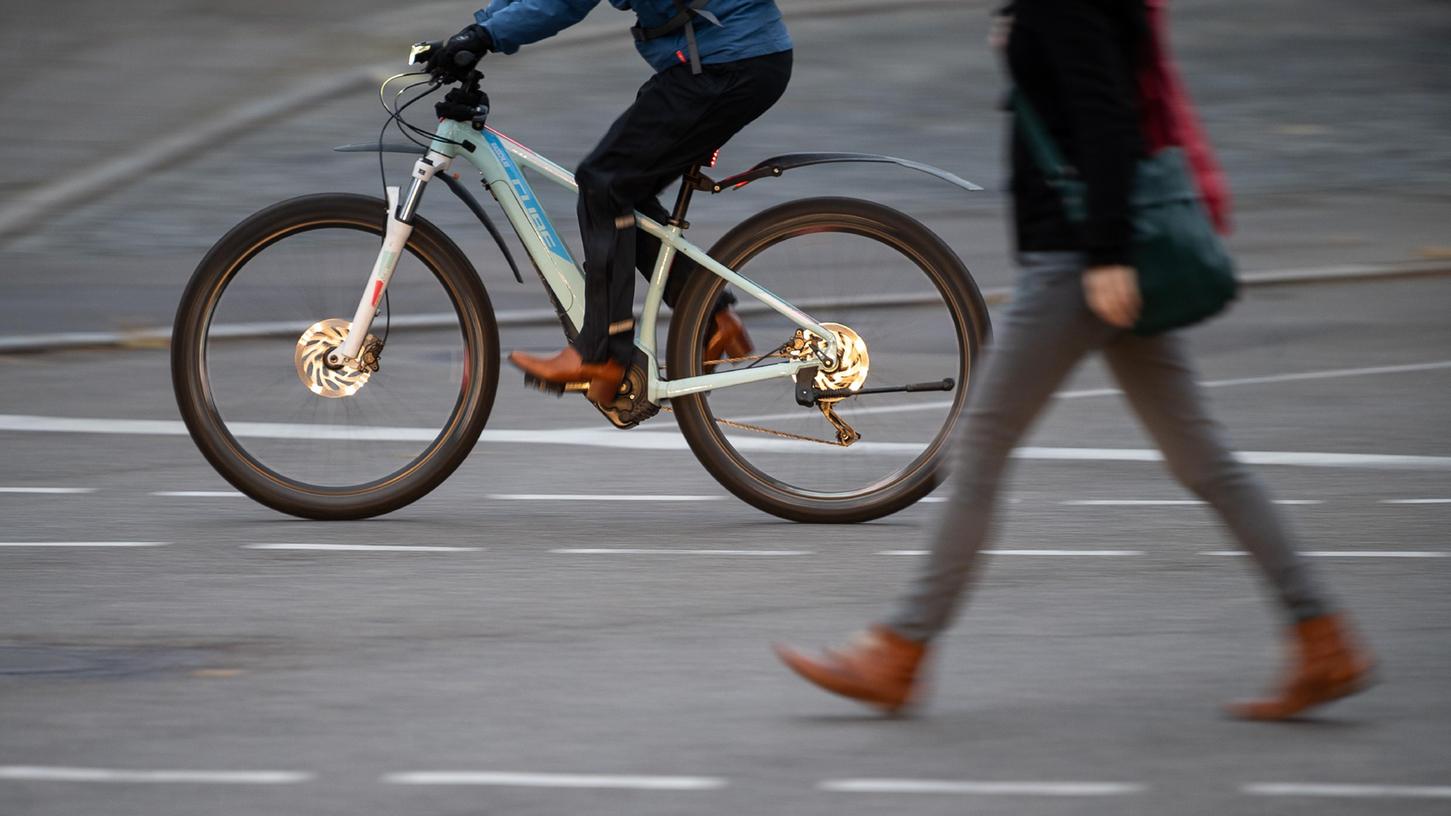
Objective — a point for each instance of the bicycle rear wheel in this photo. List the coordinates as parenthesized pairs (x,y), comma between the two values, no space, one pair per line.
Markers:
(911,314)
(248,360)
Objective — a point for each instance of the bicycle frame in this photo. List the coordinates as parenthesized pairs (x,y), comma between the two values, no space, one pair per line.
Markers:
(498,160)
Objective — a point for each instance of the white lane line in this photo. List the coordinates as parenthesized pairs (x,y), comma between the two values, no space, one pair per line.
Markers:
(1167,502)
(949,786)
(49,773)
(55,490)
(597,497)
(1131,502)
(1415,501)
(1348,553)
(1348,791)
(937,405)
(360,547)
(83,543)
(556,780)
(640,551)
(198,494)
(673,441)
(1105,553)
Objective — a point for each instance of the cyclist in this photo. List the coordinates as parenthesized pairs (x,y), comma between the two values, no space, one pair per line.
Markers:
(719,65)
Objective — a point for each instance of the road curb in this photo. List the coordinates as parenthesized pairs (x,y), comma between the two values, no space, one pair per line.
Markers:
(26,211)
(512,318)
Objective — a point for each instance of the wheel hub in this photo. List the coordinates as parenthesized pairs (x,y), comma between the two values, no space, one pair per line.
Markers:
(848,371)
(323,378)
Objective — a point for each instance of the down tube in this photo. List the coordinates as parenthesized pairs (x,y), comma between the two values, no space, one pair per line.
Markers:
(527,216)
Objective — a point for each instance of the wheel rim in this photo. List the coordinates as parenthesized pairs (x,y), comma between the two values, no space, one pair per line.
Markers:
(859,276)
(256,391)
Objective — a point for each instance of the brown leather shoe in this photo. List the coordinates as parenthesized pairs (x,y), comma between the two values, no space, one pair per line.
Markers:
(1327,665)
(568,368)
(729,338)
(878,667)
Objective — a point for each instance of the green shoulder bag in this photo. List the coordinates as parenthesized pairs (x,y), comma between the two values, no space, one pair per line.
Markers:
(1185,274)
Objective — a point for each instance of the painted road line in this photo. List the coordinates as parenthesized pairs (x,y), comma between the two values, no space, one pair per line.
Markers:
(597,497)
(54,490)
(198,494)
(948,786)
(1348,553)
(1415,501)
(1348,791)
(360,547)
(1167,502)
(673,441)
(1105,553)
(83,543)
(640,551)
(49,773)
(556,780)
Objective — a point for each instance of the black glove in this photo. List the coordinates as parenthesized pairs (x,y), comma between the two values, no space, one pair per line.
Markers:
(461,52)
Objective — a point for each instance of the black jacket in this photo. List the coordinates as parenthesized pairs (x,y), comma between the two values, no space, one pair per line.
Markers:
(1076,62)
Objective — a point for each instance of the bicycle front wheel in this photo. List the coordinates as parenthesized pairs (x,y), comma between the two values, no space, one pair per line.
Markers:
(252,381)
(911,321)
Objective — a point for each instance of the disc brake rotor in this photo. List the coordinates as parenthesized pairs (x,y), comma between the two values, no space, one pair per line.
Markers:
(313,347)
(850,372)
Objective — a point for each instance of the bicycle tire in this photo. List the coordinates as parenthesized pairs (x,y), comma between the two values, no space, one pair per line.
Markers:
(209,429)
(689,327)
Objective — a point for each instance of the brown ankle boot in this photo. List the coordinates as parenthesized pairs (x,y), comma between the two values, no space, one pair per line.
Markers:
(1327,665)
(729,338)
(878,667)
(567,367)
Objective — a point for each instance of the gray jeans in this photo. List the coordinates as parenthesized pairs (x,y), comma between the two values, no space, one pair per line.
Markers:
(1049,328)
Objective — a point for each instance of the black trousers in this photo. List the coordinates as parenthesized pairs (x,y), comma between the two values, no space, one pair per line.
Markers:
(677,119)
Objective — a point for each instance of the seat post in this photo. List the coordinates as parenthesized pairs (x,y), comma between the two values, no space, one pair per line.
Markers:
(689,183)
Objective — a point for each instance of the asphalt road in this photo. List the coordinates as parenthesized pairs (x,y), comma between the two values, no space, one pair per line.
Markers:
(216,665)
(346,668)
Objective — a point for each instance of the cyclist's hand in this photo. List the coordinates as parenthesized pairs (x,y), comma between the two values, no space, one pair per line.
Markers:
(461,52)
(1112,293)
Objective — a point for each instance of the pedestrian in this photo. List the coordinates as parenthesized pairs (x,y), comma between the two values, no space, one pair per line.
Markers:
(1083,64)
(719,65)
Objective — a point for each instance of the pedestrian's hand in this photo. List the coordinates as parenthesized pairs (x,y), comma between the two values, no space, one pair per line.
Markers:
(1112,293)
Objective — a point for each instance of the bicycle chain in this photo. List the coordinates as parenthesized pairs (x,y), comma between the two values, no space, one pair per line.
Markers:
(744,426)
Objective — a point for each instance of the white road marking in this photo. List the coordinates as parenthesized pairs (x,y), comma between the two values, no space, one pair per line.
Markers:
(1348,553)
(55,490)
(949,786)
(597,497)
(556,780)
(198,494)
(1416,501)
(1130,502)
(83,543)
(48,773)
(361,547)
(639,551)
(1348,791)
(937,405)
(1166,502)
(1108,553)
(673,441)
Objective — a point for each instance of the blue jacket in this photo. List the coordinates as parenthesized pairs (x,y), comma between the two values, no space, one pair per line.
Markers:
(749,28)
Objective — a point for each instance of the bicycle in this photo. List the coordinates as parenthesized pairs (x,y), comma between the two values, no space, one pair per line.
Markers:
(317,426)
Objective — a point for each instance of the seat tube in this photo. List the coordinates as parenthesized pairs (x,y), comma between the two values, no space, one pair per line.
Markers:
(397,230)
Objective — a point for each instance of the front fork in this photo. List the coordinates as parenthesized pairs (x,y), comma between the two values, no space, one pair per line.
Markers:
(397,230)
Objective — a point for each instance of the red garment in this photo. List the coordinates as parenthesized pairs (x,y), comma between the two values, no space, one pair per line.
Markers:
(1168,117)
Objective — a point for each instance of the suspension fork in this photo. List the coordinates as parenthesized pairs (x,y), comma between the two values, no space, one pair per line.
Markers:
(396,232)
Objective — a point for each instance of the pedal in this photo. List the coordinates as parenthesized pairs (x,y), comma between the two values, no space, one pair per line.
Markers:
(557,389)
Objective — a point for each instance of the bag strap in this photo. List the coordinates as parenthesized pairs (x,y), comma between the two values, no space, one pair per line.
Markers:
(1056,171)
(685,13)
